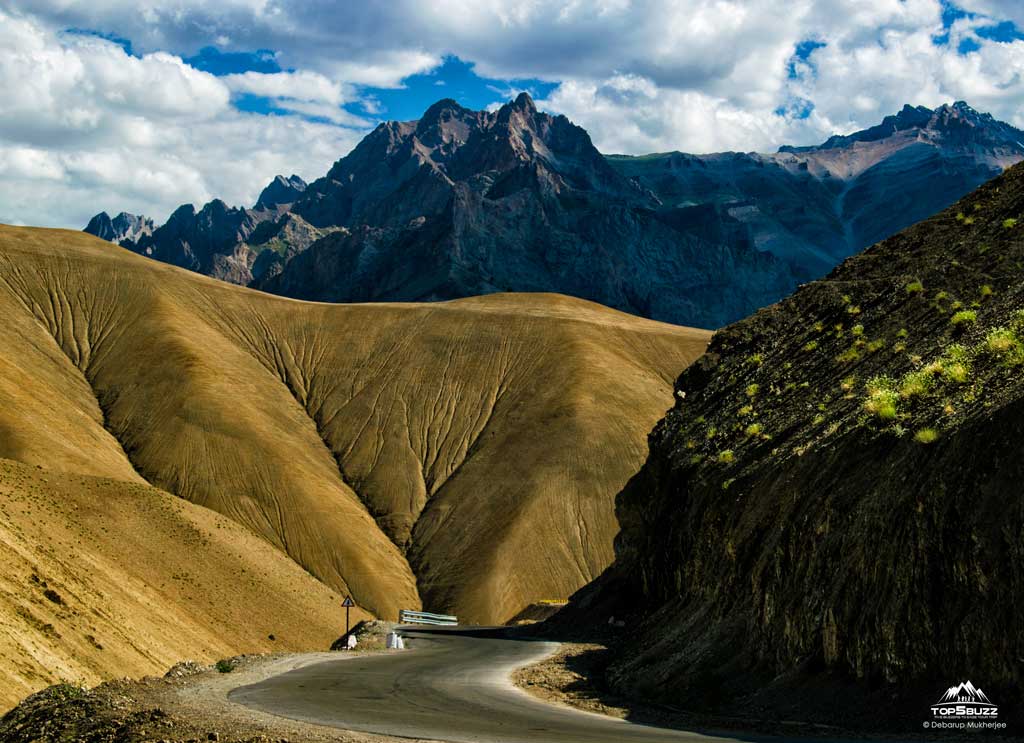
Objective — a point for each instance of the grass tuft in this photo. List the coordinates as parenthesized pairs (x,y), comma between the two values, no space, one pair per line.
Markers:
(963,317)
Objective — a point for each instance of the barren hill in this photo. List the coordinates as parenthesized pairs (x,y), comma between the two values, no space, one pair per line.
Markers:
(462,455)
(104,578)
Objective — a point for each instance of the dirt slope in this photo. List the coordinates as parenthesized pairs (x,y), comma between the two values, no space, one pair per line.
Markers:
(104,578)
(464,452)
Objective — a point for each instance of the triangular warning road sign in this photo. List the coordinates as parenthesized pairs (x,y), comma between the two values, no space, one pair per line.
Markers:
(348,602)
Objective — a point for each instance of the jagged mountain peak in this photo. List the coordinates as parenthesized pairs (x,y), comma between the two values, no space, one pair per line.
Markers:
(958,119)
(281,191)
(524,102)
(124,227)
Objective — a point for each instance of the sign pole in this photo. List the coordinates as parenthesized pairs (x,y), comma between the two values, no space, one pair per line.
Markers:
(348,603)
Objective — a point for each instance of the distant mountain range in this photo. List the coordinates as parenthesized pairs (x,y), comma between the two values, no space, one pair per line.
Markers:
(463,202)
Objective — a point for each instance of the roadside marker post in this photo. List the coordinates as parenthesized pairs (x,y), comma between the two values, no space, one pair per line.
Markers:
(348,604)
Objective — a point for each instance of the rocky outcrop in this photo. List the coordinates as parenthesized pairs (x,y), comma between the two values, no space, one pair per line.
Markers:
(281,192)
(237,245)
(124,227)
(832,505)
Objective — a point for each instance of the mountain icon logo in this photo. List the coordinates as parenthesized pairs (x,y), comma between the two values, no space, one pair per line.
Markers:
(965,692)
(965,701)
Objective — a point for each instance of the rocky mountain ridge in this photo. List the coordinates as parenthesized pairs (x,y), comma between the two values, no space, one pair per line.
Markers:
(463,202)
(123,229)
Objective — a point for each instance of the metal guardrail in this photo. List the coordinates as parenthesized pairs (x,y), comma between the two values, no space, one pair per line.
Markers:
(406,616)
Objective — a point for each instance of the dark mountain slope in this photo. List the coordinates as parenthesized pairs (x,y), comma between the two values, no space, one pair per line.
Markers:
(833,505)
(814,206)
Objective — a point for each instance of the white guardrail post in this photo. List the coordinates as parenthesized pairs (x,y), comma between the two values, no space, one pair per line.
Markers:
(406,616)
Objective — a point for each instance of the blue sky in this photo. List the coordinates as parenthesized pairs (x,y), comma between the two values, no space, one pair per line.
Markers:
(452,78)
(142,105)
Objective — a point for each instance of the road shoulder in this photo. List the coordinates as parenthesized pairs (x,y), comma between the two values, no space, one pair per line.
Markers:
(188,705)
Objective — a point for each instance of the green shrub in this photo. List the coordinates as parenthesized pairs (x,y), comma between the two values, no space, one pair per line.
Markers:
(902,333)
(957,352)
(753,389)
(926,436)
(225,666)
(66,690)
(726,456)
(956,372)
(1008,223)
(811,346)
(985,290)
(848,356)
(916,384)
(963,317)
(857,330)
(914,287)
(1001,340)
(882,398)
(754,429)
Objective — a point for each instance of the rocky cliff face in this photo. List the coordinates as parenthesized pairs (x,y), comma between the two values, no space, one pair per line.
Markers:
(281,193)
(833,502)
(234,244)
(466,202)
(125,227)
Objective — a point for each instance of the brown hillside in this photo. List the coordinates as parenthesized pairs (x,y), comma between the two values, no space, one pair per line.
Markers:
(466,452)
(107,578)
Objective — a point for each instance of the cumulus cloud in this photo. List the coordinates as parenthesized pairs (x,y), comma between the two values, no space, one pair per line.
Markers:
(86,126)
(640,75)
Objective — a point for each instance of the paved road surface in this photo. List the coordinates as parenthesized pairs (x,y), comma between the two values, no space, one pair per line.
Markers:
(447,685)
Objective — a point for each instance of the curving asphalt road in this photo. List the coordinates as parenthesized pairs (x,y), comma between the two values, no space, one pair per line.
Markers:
(448,685)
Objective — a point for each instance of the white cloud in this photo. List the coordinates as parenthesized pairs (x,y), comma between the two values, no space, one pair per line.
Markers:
(86,126)
(302,86)
(640,75)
